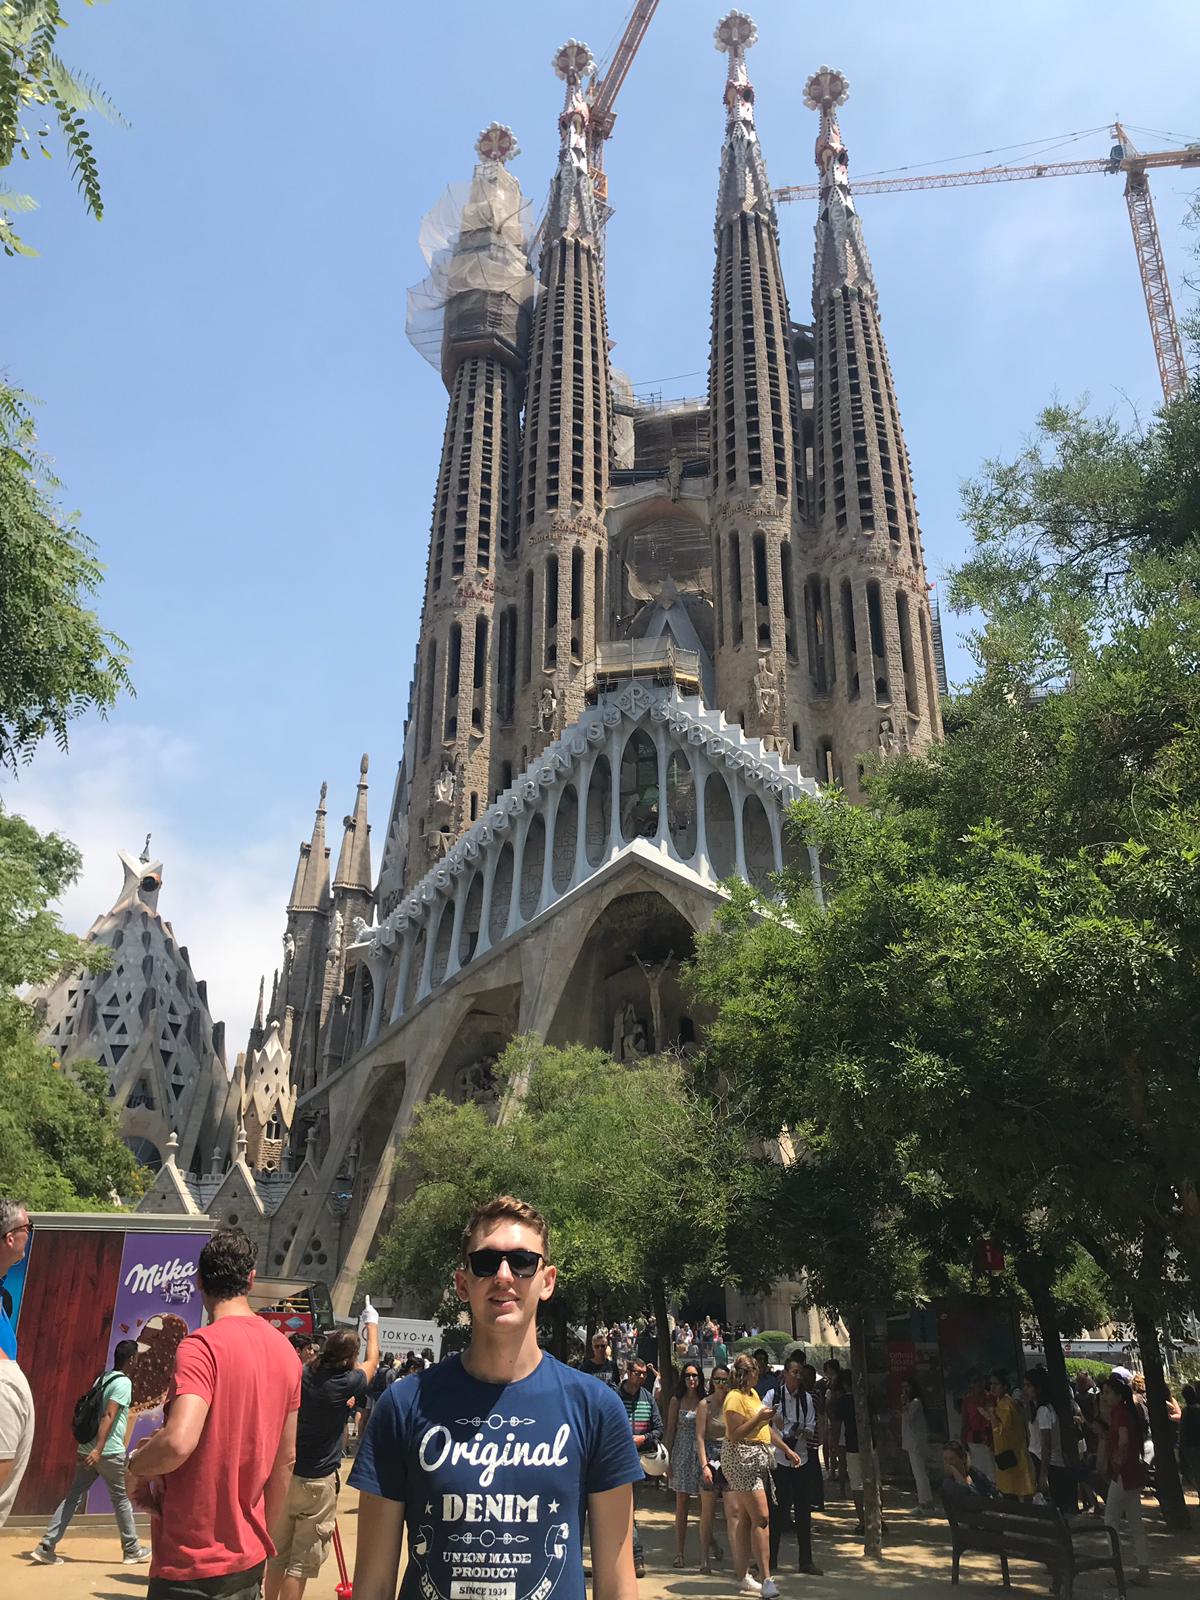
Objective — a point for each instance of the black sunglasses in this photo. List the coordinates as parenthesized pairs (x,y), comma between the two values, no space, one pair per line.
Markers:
(486,1263)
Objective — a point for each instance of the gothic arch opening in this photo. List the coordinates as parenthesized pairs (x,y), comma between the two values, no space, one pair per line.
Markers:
(639,787)
(502,885)
(469,934)
(599,811)
(532,865)
(624,993)
(757,843)
(718,826)
(566,829)
(681,805)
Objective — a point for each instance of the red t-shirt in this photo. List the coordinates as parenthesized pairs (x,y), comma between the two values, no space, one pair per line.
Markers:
(212,1520)
(1132,1471)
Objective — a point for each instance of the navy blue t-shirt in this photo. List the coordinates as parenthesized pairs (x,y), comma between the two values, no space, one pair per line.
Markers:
(495,1477)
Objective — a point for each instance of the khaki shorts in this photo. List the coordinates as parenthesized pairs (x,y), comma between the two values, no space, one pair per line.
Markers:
(305,1530)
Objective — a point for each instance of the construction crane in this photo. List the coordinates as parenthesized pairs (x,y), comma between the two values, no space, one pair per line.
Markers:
(603,91)
(1124,157)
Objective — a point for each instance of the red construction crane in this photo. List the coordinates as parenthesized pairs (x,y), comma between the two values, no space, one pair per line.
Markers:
(603,91)
(1124,157)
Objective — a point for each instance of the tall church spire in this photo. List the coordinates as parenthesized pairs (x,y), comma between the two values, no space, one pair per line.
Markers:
(354,861)
(756,460)
(311,889)
(483,280)
(550,629)
(573,211)
(876,646)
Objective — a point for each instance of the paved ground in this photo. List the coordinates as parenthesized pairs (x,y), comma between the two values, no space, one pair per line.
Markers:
(916,1563)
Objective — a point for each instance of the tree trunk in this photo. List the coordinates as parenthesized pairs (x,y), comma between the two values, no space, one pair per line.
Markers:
(872,1508)
(658,1296)
(558,1322)
(1166,1469)
(1035,1279)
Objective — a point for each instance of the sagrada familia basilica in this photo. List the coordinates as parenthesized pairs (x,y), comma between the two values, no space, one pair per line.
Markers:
(646,629)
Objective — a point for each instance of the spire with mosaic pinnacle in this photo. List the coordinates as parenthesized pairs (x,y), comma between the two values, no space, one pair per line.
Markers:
(879,655)
(486,285)
(564,486)
(756,463)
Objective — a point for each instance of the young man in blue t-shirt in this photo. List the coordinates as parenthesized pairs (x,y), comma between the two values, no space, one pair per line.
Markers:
(495,1457)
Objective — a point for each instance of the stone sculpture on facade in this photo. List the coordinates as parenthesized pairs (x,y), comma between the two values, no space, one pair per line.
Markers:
(766,689)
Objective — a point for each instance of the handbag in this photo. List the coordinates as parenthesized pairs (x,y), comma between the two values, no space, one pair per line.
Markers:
(1006,1460)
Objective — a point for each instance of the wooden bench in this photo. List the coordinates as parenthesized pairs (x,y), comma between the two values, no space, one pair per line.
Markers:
(1016,1531)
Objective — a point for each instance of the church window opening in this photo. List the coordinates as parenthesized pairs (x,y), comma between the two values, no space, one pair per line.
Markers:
(816,625)
(468,938)
(272,1132)
(506,685)
(826,771)
(850,638)
(527,631)
(502,885)
(550,615)
(878,648)
(904,622)
(474,806)
(639,788)
(735,587)
(787,583)
(479,673)
(141,1095)
(599,628)
(577,604)
(758,845)
(762,609)
(453,670)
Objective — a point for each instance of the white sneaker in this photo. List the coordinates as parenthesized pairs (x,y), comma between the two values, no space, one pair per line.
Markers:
(142,1553)
(770,1589)
(750,1585)
(46,1557)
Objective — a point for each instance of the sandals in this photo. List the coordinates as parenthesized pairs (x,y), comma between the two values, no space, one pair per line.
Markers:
(706,1569)
(678,1561)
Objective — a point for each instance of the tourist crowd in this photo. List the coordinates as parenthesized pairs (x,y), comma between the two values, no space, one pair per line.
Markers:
(489,1463)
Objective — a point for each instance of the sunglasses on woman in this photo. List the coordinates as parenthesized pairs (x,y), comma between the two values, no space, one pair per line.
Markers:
(486,1263)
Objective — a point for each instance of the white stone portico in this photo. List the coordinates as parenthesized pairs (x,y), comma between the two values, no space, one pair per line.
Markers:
(713,809)
(505,936)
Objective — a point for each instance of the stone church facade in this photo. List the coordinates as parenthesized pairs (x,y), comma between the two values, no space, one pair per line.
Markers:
(646,630)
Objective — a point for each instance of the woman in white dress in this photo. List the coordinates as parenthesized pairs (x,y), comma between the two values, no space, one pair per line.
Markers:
(914,1438)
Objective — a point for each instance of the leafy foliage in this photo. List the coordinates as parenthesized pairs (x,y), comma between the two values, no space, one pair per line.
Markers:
(57,661)
(636,1171)
(35,82)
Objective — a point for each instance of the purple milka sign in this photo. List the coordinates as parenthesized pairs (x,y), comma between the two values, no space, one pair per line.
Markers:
(157,1304)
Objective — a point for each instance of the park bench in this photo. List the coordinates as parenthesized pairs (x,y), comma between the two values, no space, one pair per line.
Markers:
(1016,1531)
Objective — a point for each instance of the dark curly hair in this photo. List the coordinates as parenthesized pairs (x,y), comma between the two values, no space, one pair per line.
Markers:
(226,1263)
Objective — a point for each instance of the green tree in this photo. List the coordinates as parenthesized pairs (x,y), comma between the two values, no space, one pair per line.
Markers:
(58,661)
(36,86)
(637,1172)
(60,1147)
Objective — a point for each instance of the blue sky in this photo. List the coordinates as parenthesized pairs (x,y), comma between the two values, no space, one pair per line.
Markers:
(231,401)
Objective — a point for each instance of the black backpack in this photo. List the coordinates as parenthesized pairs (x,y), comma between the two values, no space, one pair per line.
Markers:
(89,1408)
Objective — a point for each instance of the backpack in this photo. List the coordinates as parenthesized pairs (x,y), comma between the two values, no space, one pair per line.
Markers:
(89,1408)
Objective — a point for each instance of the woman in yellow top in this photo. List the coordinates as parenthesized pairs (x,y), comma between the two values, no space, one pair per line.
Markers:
(746,1461)
(1010,1440)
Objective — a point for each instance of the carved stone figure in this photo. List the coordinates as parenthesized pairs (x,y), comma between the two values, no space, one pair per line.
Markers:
(674,475)
(766,689)
(629,1033)
(289,948)
(547,706)
(335,940)
(359,929)
(443,786)
(887,737)
(476,1082)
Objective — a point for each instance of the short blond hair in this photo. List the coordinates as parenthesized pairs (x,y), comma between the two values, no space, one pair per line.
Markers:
(506,1208)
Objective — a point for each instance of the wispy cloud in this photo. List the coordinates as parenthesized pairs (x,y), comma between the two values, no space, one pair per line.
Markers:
(224,901)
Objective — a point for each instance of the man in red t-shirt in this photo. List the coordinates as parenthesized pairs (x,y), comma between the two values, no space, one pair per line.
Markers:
(1126,1473)
(217,1471)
